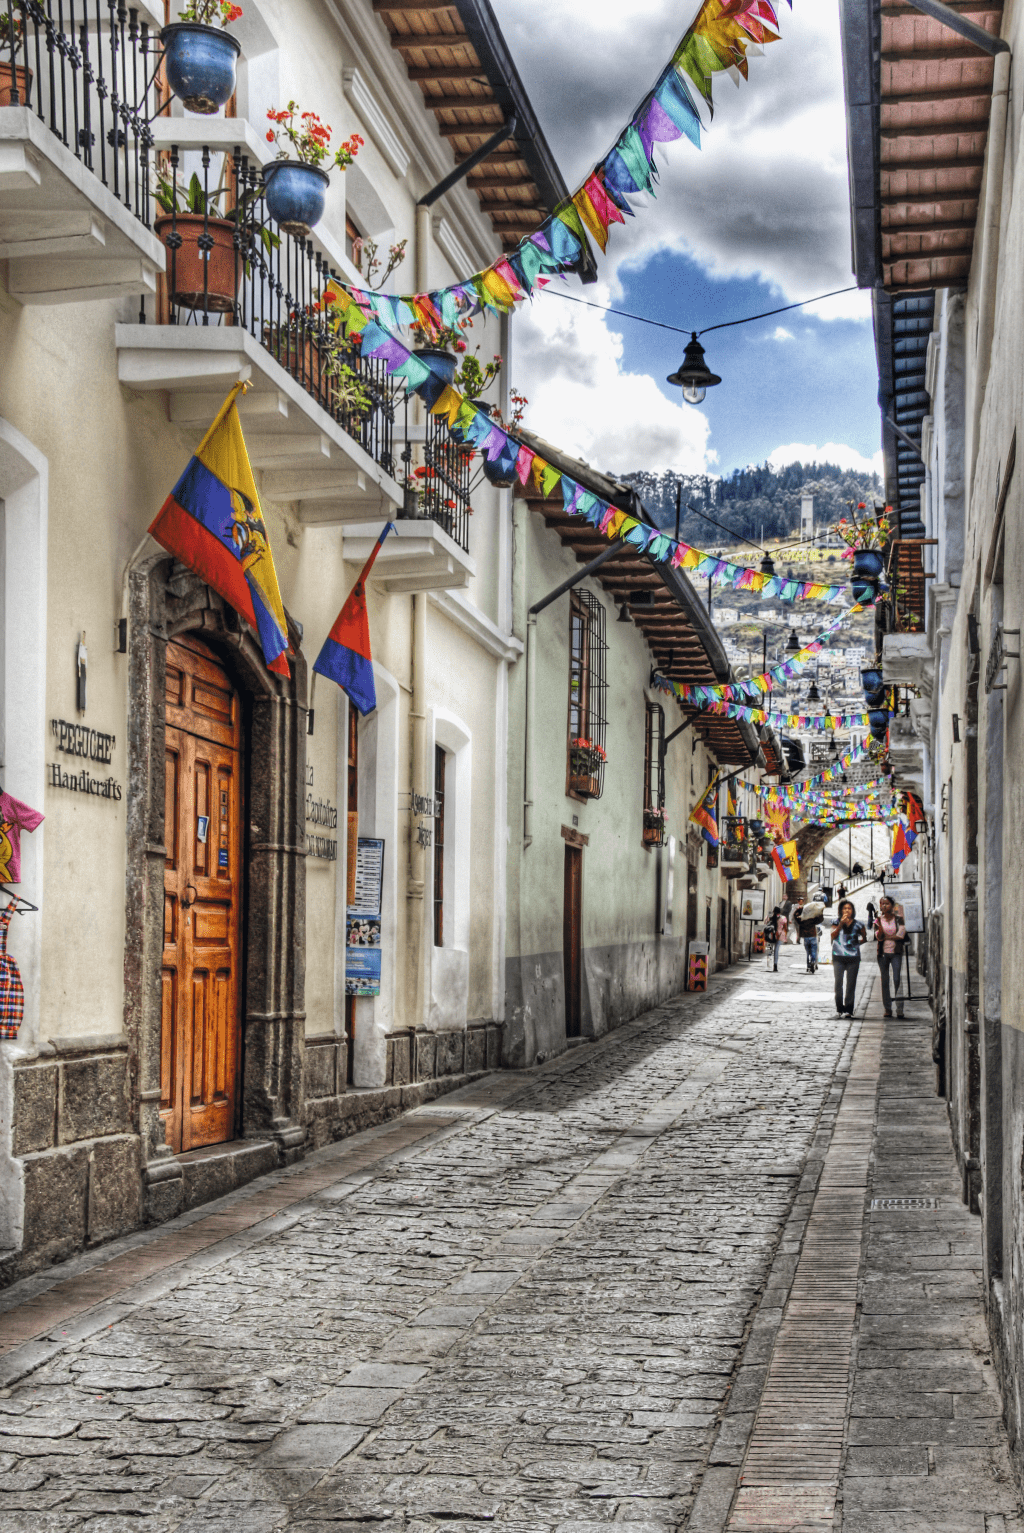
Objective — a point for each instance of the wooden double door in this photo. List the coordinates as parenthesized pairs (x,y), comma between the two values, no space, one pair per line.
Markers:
(201,1028)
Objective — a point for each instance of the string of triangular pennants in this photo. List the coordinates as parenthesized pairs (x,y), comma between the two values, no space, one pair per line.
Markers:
(512,459)
(816,723)
(766,681)
(720,38)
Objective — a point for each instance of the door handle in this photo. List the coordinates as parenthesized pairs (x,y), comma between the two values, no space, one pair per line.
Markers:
(186,902)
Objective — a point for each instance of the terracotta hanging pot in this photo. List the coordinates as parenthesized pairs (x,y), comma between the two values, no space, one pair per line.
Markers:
(187,286)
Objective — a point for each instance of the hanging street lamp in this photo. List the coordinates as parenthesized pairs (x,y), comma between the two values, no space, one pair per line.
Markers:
(793,645)
(767,563)
(693,375)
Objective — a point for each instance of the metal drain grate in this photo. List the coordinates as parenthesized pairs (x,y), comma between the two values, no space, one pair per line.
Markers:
(881,1205)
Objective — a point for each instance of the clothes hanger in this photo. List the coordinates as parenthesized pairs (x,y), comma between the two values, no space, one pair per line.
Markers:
(21,904)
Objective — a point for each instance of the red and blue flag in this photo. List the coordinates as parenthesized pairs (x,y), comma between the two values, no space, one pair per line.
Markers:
(345,656)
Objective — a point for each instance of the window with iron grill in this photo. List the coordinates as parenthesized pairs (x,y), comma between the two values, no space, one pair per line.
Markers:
(588,693)
(444,486)
(654,775)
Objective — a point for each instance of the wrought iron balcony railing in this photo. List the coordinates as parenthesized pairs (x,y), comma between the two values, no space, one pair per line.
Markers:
(444,497)
(228,263)
(84,70)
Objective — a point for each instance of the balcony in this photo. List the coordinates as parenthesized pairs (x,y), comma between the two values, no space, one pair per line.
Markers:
(74,153)
(243,299)
(907,661)
(418,556)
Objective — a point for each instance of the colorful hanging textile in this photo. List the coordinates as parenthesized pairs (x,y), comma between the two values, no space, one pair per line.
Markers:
(473,427)
(719,38)
(705,813)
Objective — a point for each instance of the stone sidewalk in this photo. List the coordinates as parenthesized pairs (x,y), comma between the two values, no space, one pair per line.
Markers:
(556,1300)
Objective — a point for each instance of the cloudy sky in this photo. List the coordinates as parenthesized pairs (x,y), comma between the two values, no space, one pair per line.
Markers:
(757,219)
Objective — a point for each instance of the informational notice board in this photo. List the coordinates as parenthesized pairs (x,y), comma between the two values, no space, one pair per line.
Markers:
(911,896)
(752,905)
(362,927)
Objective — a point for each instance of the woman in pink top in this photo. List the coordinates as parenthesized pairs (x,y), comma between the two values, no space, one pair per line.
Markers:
(890,933)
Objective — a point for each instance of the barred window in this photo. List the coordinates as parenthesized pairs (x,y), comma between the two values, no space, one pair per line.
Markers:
(588,691)
(654,760)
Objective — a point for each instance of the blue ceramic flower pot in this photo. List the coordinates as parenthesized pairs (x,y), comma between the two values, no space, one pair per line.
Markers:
(443,363)
(868,564)
(200,65)
(864,591)
(875,698)
(871,679)
(495,473)
(295,195)
(878,723)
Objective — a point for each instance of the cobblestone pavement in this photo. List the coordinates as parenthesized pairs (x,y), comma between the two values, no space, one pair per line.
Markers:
(523,1307)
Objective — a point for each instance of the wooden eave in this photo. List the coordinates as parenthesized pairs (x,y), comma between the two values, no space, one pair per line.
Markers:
(934,97)
(456,54)
(667,628)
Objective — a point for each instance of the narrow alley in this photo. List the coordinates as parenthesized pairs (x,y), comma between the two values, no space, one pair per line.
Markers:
(625,1286)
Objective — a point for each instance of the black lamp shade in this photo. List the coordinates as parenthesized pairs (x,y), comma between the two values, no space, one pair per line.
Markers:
(693,375)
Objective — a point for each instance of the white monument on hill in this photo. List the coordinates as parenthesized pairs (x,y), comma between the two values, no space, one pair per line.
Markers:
(807,517)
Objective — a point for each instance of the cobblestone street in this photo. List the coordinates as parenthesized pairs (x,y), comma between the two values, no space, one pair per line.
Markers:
(549,1301)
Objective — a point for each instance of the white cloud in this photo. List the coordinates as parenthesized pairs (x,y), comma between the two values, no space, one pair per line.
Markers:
(567,362)
(782,334)
(829,452)
(767,193)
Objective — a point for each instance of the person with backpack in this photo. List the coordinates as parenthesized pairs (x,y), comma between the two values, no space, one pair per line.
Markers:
(848,937)
(775,931)
(891,934)
(807,915)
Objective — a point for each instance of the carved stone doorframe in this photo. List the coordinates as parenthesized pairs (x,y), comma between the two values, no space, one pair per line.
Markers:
(165,600)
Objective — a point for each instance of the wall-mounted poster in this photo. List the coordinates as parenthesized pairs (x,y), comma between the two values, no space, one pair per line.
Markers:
(910,896)
(752,905)
(362,927)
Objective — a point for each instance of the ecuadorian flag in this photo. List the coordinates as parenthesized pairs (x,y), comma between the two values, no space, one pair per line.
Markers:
(786,861)
(212,522)
(346,656)
(704,813)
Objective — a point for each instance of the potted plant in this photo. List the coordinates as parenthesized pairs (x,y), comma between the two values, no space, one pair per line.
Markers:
(585,762)
(865,541)
(878,722)
(200,56)
(296,188)
(205,264)
(440,346)
(12,74)
(654,827)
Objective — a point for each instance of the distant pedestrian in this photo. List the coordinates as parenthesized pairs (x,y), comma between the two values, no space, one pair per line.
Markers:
(775,931)
(891,934)
(841,892)
(857,871)
(872,912)
(807,929)
(848,936)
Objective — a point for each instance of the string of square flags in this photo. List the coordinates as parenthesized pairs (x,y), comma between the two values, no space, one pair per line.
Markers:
(721,36)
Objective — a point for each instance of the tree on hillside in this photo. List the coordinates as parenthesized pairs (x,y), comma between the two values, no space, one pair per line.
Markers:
(753,502)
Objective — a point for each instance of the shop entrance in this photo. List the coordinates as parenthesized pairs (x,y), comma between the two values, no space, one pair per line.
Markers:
(200,1027)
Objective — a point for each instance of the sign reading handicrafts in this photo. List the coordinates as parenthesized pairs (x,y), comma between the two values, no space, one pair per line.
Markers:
(77,740)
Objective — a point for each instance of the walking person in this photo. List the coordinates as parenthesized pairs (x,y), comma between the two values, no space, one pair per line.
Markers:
(891,934)
(775,931)
(872,912)
(807,929)
(848,936)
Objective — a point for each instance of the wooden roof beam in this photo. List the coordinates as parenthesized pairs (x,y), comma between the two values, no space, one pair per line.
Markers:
(442,73)
(383,6)
(465,103)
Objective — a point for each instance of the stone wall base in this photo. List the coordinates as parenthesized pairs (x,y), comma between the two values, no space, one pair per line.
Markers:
(82,1165)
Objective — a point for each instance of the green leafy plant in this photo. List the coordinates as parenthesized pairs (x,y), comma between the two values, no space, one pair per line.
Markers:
(307,139)
(441,337)
(585,758)
(6,21)
(473,379)
(194,198)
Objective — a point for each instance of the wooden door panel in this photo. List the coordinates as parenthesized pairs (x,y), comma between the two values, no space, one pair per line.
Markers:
(572,940)
(202,900)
